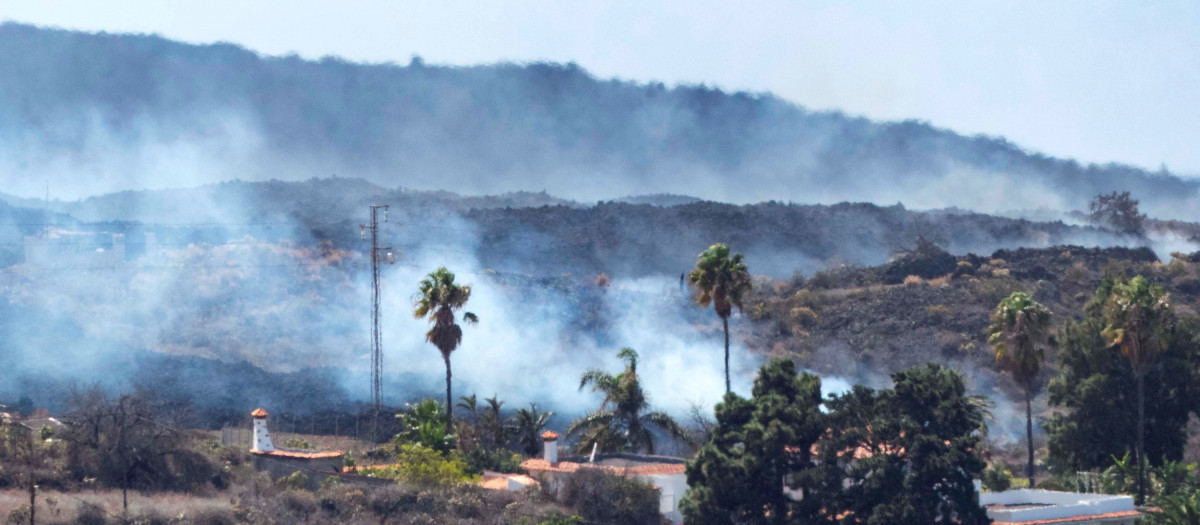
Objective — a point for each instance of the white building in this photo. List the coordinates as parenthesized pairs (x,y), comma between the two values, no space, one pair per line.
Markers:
(666,474)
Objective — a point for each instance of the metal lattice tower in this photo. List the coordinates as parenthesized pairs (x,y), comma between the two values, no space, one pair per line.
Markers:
(376,341)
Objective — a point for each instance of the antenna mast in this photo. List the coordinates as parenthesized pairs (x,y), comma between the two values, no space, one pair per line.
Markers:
(376,343)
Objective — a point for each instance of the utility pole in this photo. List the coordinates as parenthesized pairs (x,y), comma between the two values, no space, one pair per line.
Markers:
(376,344)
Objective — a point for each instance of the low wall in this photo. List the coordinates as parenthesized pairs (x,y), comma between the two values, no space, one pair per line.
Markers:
(1057,504)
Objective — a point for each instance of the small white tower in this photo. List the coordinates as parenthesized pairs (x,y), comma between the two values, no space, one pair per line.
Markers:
(262,438)
(550,446)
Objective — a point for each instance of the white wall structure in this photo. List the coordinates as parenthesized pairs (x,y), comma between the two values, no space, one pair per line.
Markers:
(262,438)
(1030,505)
(672,487)
(550,446)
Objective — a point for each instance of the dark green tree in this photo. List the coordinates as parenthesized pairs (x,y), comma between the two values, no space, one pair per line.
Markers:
(722,280)
(438,296)
(623,421)
(905,456)
(1018,333)
(757,446)
(1097,386)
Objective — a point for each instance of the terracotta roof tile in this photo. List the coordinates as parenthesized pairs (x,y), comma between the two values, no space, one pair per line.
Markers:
(549,435)
(258,412)
(1074,519)
(649,469)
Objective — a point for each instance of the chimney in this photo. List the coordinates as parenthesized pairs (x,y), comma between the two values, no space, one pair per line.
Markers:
(550,446)
(262,438)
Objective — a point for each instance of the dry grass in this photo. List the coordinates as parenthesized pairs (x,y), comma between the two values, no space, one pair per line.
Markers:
(318,442)
(59,507)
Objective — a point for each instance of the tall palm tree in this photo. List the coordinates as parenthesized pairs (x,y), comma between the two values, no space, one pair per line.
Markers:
(1018,333)
(622,422)
(529,424)
(723,281)
(1135,313)
(437,298)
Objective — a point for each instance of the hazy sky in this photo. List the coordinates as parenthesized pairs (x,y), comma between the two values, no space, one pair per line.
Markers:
(1097,81)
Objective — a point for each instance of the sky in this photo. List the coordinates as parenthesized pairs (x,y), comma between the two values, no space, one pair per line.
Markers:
(1097,81)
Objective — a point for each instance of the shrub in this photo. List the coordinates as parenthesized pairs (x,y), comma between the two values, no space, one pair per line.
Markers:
(964,268)
(480,459)
(606,498)
(19,515)
(297,443)
(91,514)
(996,479)
(214,517)
(422,465)
(296,481)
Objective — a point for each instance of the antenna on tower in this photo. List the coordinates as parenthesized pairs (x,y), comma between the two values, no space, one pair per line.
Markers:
(377,254)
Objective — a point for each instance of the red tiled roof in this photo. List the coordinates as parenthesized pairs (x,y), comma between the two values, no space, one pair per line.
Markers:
(301,455)
(1074,519)
(549,435)
(541,465)
(259,413)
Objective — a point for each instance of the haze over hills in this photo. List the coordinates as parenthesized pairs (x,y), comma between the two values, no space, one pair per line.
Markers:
(95,113)
(237,248)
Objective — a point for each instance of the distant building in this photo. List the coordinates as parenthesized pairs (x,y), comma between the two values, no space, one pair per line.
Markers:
(280,462)
(1045,507)
(54,247)
(665,473)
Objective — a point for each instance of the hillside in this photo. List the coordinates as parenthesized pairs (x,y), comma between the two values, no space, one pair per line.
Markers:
(142,111)
(541,234)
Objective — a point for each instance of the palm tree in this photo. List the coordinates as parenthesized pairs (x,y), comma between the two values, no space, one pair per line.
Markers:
(1018,333)
(437,298)
(621,423)
(493,423)
(529,425)
(723,281)
(1134,314)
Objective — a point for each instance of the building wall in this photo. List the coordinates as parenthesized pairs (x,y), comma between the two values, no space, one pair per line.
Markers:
(315,469)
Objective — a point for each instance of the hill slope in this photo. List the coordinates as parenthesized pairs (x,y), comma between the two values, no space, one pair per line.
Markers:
(99,112)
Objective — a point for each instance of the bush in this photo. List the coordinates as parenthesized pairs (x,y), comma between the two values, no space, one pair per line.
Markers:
(19,515)
(297,443)
(996,479)
(606,498)
(480,459)
(296,481)
(214,517)
(421,465)
(91,514)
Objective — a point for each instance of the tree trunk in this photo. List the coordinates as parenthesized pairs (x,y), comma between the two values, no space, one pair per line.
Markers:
(725,322)
(125,493)
(1029,430)
(1141,438)
(449,404)
(32,503)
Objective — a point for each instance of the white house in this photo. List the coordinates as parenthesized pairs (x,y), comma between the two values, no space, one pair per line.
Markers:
(665,473)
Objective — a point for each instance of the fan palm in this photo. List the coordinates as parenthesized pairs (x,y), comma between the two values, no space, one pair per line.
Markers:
(1135,313)
(437,298)
(623,421)
(1018,333)
(723,281)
